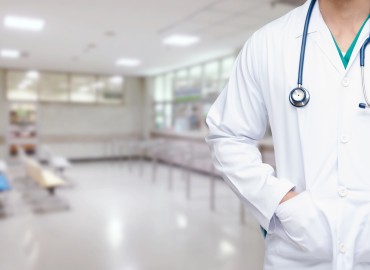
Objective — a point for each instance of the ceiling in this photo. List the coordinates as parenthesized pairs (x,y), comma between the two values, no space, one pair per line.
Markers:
(88,36)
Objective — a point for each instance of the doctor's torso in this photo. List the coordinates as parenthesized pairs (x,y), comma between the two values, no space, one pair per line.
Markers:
(323,147)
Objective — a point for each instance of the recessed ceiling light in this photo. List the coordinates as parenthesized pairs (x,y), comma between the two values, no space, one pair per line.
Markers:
(181,40)
(6,53)
(127,62)
(23,23)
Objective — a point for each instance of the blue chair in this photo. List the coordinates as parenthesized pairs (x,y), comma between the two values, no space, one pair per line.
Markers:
(4,184)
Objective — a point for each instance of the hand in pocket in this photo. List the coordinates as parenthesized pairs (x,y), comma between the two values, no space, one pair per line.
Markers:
(306,225)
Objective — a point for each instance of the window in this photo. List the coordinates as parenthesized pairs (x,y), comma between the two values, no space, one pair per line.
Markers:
(22,86)
(181,79)
(159,116)
(53,87)
(182,98)
(83,88)
(195,77)
(211,78)
(110,89)
(158,89)
(168,86)
(62,87)
(226,67)
(168,115)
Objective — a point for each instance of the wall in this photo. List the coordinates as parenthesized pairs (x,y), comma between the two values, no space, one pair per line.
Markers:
(2,114)
(82,131)
(85,131)
(148,115)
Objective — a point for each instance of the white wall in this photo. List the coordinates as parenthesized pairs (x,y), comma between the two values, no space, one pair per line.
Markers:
(148,107)
(2,114)
(82,131)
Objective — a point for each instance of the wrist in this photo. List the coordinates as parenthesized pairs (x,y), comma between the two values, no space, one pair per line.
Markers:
(291,194)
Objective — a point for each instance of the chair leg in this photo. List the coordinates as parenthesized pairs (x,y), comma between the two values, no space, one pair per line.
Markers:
(242,213)
(212,192)
(141,164)
(154,169)
(188,178)
(170,176)
(51,191)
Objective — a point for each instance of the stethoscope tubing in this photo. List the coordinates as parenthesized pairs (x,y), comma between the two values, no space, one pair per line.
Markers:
(304,42)
(300,103)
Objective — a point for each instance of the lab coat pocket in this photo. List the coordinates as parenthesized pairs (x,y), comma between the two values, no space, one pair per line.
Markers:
(306,226)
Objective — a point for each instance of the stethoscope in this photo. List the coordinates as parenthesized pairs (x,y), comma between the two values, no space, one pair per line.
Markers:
(299,96)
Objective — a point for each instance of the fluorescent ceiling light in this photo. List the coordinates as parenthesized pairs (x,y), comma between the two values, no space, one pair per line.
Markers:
(127,62)
(181,40)
(23,23)
(10,53)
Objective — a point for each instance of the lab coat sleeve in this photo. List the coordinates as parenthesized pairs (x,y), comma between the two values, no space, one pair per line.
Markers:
(236,121)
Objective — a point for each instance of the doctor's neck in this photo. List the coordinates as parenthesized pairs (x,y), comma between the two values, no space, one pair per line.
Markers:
(346,11)
(344,18)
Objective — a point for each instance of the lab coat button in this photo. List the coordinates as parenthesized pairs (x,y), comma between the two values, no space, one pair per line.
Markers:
(343,192)
(342,248)
(344,139)
(345,82)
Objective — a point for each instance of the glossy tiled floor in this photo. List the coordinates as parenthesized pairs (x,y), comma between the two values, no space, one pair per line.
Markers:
(121,221)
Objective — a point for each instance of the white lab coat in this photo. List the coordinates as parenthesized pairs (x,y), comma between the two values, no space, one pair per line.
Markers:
(322,150)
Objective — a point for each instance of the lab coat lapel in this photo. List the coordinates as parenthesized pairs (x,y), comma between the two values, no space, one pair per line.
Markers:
(324,40)
(319,34)
(363,36)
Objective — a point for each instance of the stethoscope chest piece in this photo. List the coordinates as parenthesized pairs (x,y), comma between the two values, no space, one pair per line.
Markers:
(299,97)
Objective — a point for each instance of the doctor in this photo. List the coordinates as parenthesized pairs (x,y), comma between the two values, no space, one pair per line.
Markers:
(316,206)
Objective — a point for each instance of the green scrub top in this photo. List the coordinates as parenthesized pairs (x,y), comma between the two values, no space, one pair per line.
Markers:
(345,58)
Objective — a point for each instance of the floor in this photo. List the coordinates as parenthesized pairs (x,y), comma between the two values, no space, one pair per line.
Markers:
(119,219)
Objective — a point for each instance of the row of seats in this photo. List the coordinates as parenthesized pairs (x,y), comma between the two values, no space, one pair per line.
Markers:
(43,177)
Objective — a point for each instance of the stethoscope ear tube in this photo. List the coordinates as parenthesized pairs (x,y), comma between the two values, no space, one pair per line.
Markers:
(299,96)
(362,64)
(362,52)
(304,42)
